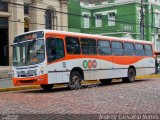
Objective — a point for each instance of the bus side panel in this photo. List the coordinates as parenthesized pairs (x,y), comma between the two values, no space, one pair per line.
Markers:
(55,73)
(105,69)
(145,66)
(59,72)
(97,69)
(88,71)
(121,70)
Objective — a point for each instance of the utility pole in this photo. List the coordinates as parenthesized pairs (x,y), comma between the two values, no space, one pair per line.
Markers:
(142,21)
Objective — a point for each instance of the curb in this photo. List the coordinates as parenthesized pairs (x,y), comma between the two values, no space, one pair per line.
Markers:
(60,85)
(148,76)
(19,88)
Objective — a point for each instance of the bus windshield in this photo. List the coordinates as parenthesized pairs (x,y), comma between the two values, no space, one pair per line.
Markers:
(28,53)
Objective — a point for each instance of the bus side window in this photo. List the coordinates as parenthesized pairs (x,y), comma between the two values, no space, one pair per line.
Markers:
(117,48)
(139,49)
(148,50)
(55,49)
(104,47)
(72,45)
(88,46)
(129,49)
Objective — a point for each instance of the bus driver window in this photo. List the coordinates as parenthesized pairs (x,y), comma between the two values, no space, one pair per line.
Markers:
(55,49)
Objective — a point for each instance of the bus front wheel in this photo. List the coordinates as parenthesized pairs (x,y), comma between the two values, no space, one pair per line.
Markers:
(47,86)
(131,76)
(75,80)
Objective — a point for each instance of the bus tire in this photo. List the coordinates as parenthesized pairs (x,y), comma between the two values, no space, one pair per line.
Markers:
(106,81)
(75,80)
(131,76)
(47,87)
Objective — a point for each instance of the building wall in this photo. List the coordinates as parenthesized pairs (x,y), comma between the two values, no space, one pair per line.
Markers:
(126,21)
(74,19)
(36,17)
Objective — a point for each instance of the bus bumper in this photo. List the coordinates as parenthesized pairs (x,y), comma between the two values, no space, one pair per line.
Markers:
(37,80)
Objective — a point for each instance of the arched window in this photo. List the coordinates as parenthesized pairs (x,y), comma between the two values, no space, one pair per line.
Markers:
(26,25)
(48,19)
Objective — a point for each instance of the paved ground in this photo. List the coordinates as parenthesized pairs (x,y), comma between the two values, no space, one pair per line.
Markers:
(140,97)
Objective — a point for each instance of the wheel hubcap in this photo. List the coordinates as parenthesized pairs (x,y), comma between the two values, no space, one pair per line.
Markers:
(132,75)
(75,83)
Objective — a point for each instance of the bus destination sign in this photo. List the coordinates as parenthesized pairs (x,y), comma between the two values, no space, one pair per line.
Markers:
(29,36)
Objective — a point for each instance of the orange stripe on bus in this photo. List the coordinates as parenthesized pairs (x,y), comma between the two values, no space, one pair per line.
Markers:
(122,60)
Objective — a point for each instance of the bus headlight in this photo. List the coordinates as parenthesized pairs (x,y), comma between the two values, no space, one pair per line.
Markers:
(41,71)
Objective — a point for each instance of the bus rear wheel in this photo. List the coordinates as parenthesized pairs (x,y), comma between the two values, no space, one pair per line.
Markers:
(75,80)
(47,87)
(106,81)
(131,76)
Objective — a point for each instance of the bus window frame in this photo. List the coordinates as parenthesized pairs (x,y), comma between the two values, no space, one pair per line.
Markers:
(151,50)
(133,48)
(121,41)
(139,49)
(49,62)
(65,45)
(107,47)
(85,46)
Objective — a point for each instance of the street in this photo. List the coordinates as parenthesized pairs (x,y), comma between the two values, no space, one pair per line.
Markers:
(140,97)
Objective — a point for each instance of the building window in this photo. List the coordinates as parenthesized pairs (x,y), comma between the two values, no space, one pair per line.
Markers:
(157,20)
(86,21)
(3,22)
(26,9)
(26,25)
(3,6)
(111,19)
(98,20)
(49,19)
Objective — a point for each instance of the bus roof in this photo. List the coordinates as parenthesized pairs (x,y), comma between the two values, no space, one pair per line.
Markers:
(88,35)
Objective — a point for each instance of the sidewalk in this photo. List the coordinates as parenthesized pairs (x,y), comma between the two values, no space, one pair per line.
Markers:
(5,72)
(12,88)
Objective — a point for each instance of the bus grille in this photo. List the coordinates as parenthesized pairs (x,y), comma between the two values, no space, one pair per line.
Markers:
(26,81)
(29,73)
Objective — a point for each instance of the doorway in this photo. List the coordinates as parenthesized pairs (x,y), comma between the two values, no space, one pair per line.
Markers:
(4,48)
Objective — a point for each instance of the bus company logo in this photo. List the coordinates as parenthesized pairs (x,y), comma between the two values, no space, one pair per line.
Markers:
(90,64)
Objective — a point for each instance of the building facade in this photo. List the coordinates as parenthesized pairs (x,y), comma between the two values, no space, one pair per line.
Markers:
(18,16)
(137,19)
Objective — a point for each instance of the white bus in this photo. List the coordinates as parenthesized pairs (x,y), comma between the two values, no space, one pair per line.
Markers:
(48,57)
